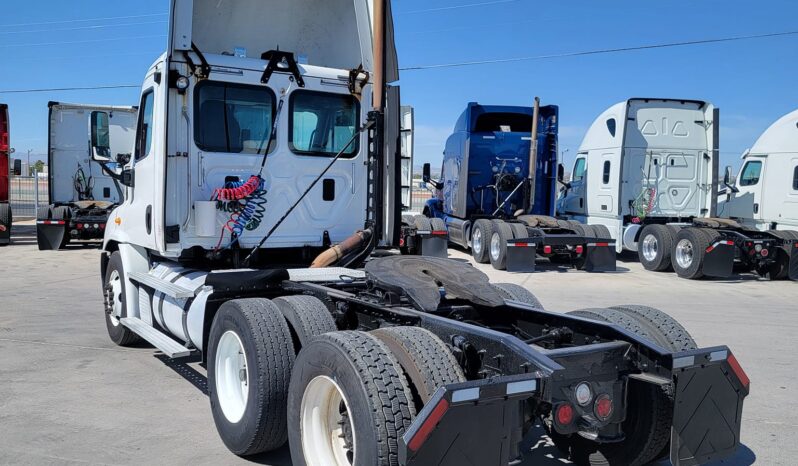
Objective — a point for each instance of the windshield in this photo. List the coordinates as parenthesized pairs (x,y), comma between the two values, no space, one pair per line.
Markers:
(322,123)
(502,122)
(233,117)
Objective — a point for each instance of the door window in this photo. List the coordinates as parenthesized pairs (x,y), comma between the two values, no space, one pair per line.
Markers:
(233,118)
(323,123)
(751,173)
(579,169)
(795,178)
(606,177)
(144,134)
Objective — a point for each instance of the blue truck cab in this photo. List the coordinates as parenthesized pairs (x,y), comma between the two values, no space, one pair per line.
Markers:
(489,202)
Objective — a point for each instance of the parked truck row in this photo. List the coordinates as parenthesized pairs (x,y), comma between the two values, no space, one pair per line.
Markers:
(259,231)
(647,169)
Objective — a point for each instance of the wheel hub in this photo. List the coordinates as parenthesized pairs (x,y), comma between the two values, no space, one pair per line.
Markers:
(650,247)
(476,241)
(495,246)
(684,253)
(232,377)
(328,436)
(113,298)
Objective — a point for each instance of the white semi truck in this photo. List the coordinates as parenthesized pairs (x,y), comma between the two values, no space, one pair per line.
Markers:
(81,191)
(648,169)
(259,232)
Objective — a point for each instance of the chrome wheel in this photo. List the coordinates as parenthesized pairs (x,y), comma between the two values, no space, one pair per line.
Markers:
(684,253)
(650,247)
(328,436)
(232,377)
(495,246)
(115,282)
(476,241)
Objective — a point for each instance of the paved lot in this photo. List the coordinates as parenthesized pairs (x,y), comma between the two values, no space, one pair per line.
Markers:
(69,396)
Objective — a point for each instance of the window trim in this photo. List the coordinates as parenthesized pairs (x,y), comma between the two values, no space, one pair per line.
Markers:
(140,122)
(742,172)
(199,86)
(582,157)
(795,178)
(292,102)
(606,172)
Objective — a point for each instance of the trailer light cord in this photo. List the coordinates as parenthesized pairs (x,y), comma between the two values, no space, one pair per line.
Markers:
(357,133)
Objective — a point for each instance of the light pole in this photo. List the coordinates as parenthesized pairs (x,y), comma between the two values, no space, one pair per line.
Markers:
(29,170)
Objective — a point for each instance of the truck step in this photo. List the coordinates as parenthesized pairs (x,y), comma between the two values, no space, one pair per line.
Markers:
(158,339)
(165,287)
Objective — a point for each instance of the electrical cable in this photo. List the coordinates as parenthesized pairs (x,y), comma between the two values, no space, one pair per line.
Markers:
(85,20)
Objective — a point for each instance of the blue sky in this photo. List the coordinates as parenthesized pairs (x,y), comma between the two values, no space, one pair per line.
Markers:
(753,82)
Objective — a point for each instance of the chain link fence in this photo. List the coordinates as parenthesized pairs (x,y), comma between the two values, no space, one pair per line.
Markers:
(26,195)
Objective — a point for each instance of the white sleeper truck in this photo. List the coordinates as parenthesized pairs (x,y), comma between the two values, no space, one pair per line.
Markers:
(81,191)
(647,169)
(260,232)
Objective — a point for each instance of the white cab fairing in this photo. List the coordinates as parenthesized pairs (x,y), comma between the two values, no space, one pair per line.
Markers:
(767,183)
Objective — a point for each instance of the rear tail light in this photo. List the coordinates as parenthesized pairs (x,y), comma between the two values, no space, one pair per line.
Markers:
(547,249)
(580,249)
(564,414)
(603,407)
(79,226)
(583,394)
(764,252)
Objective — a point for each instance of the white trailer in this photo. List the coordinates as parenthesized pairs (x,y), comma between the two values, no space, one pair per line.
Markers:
(81,191)
(259,232)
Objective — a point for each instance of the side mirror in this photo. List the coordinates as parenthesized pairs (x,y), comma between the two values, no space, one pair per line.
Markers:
(729,181)
(17,169)
(100,137)
(560,173)
(427,173)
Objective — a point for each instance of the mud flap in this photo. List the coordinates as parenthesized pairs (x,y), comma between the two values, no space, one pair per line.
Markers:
(794,262)
(521,256)
(478,422)
(600,256)
(51,234)
(710,387)
(433,243)
(5,233)
(719,259)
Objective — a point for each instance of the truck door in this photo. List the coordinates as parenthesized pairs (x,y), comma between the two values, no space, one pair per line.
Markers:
(574,200)
(143,216)
(747,202)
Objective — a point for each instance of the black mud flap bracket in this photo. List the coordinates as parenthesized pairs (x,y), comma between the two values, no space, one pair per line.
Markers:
(600,255)
(794,261)
(478,422)
(709,390)
(51,234)
(719,259)
(433,243)
(521,255)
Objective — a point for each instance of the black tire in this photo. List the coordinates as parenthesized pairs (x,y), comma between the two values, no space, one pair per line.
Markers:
(649,412)
(601,231)
(43,213)
(517,293)
(697,240)
(60,213)
(502,232)
(6,219)
(437,224)
(583,230)
(307,317)
(427,362)
(408,219)
(378,400)
(479,250)
(266,341)
(661,238)
(119,334)
(520,230)
(780,268)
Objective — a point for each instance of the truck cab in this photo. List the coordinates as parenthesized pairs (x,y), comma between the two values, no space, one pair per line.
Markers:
(765,193)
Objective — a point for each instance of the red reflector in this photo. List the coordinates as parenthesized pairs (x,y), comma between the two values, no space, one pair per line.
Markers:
(738,371)
(440,233)
(102,227)
(710,249)
(602,244)
(401,241)
(547,249)
(580,249)
(79,225)
(603,407)
(565,414)
(429,424)
(764,253)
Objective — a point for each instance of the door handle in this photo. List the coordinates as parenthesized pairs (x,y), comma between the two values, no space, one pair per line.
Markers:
(756,207)
(148,219)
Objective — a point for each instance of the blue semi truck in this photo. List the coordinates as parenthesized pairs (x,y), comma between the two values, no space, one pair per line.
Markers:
(493,204)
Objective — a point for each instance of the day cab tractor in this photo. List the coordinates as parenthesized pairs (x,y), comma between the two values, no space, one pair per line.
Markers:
(251,170)
(81,191)
(489,200)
